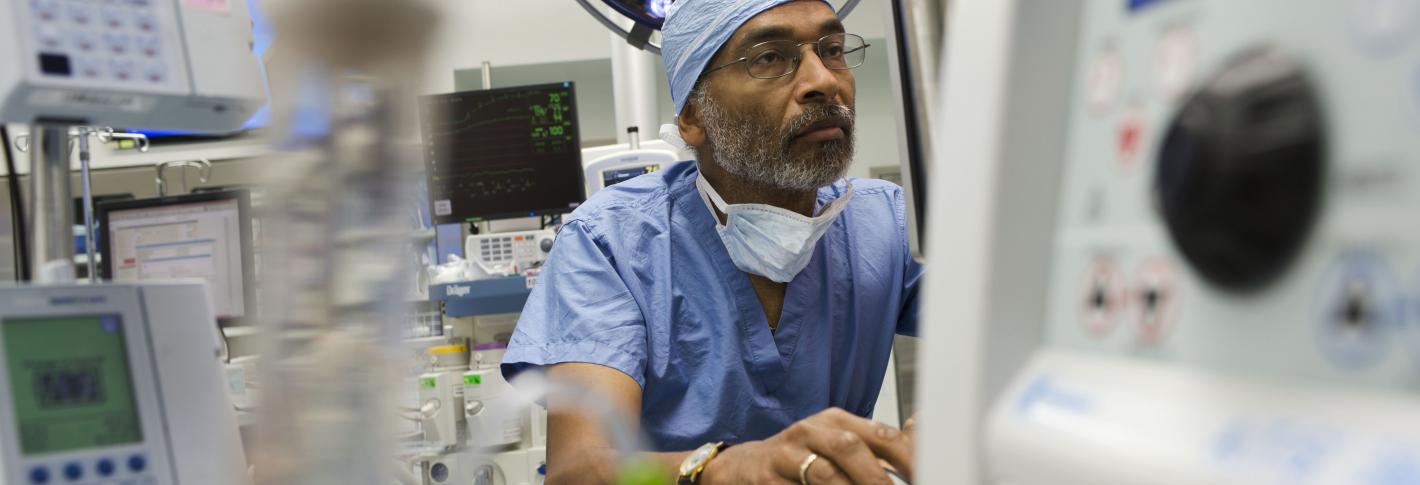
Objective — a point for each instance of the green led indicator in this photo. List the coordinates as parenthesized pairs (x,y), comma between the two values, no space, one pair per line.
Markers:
(473,379)
(428,382)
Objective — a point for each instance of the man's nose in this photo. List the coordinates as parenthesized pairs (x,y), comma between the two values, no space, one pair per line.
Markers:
(816,82)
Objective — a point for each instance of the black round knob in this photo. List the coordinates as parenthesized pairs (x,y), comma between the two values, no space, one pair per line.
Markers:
(1239,176)
(546,245)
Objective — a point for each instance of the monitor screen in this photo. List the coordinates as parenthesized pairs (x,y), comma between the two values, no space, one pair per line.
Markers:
(69,383)
(502,153)
(201,236)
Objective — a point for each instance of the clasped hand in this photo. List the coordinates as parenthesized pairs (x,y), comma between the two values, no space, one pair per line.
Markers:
(850,450)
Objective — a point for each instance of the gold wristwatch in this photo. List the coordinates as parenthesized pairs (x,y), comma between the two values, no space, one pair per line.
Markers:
(694,465)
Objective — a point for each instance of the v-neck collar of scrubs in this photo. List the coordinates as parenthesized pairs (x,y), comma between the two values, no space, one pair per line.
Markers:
(769,354)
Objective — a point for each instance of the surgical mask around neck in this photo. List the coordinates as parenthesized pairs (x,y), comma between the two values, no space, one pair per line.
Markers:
(769,241)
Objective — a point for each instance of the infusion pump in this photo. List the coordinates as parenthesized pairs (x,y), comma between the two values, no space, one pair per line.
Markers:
(153,64)
(114,384)
(1182,243)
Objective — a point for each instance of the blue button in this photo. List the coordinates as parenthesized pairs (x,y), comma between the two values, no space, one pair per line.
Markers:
(39,475)
(137,463)
(105,467)
(73,471)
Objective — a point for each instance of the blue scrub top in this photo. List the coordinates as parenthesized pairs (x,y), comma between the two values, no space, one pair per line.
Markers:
(639,281)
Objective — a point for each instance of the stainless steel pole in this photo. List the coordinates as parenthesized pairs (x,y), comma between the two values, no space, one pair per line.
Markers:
(51,220)
(90,234)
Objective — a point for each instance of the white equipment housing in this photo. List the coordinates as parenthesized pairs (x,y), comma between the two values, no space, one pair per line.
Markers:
(152,64)
(497,419)
(442,410)
(186,428)
(1072,336)
(606,166)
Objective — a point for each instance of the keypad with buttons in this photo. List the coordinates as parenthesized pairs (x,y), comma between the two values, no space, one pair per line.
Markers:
(99,40)
(525,249)
(126,469)
(496,250)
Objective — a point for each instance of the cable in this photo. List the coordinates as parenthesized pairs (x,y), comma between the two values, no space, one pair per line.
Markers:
(17,211)
(226,350)
(616,29)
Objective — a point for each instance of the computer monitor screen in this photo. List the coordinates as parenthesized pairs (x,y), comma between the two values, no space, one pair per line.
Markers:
(205,236)
(69,383)
(502,153)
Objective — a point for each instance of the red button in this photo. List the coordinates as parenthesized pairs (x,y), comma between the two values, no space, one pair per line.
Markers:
(1130,140)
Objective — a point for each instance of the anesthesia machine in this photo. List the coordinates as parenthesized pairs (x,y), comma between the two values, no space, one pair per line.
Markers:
(1183,244)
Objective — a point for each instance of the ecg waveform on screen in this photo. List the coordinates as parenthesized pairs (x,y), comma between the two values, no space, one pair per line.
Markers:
(488,152)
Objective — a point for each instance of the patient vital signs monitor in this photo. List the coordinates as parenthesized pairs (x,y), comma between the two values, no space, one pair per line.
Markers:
(500,153)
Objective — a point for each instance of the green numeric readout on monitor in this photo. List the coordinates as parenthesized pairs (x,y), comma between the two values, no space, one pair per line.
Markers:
(69,383)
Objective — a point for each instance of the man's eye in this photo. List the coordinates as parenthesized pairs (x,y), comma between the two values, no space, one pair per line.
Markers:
(768,58)
(833,51)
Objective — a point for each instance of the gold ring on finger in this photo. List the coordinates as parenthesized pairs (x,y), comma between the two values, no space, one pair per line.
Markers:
(804,468)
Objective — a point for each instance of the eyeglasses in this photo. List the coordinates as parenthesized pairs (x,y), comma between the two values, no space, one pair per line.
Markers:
(779,58)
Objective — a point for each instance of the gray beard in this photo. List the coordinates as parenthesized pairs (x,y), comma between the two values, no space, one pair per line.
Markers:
(755,150)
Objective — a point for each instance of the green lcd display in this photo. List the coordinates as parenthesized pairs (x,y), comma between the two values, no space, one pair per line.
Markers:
(69,383)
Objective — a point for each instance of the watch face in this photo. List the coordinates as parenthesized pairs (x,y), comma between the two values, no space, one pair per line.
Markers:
(695,459)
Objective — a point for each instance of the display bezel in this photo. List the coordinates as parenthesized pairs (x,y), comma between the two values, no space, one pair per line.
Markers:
(8,324)
(105,211)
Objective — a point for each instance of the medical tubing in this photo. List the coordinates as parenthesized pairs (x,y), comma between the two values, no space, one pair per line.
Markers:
(589,400)
(17,211)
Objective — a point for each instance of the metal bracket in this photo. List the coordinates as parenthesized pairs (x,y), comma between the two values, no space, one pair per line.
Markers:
(203,166)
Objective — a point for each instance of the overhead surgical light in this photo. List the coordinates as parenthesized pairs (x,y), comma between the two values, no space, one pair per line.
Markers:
(648,15)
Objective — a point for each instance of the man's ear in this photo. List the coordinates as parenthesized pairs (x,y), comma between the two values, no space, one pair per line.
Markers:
(692,129)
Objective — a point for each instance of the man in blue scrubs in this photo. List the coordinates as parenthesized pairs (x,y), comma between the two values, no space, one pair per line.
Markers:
(738,310)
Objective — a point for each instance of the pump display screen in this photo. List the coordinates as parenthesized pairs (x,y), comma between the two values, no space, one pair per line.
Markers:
(69,383)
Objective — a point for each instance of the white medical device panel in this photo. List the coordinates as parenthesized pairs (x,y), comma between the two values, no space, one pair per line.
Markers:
(524,248)
(130,391)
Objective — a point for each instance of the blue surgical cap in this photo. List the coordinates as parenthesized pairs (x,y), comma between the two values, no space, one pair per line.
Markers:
(694,30)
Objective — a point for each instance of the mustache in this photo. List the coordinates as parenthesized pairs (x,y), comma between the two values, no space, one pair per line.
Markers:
(822,113)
